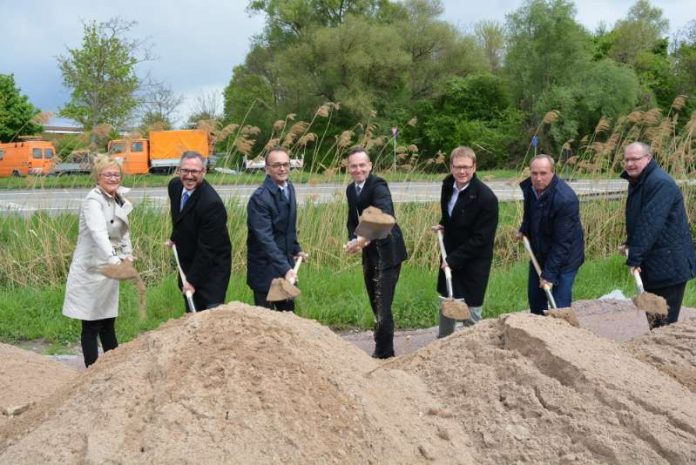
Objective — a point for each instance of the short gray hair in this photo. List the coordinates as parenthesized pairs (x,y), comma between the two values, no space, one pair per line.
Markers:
(543,156)
(645,148)
(190,155)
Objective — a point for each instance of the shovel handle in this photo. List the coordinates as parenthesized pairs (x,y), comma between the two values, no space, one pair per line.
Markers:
(546,287)
(184,282)
(448,270)
(636,275)
(296,268)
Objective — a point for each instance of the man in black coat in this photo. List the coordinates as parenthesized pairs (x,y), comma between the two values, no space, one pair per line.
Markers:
(381,258)
(552,224)
(272,245)
(199,230)
(659,241)
(469,221)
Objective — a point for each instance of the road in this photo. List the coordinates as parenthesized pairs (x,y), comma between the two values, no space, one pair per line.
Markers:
(57,201)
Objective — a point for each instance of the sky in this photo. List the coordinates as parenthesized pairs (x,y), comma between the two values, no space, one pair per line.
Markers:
(197,43)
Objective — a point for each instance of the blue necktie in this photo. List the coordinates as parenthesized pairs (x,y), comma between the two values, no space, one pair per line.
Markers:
(184,199)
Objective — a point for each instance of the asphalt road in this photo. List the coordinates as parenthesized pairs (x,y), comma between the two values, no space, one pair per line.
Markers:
(58,201)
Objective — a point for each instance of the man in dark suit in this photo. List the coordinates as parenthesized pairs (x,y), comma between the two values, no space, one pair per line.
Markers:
(659,240)
(551,222)
(469,220)
(272,245)
(381,258)
(199,230)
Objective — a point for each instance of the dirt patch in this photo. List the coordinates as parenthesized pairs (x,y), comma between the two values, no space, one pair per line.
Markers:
(27,378)
(237,385)
(671,349)
(529,389)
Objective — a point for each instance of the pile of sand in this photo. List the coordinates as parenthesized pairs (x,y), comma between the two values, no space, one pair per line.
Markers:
(237,385)
(529,389)
(27,378)
(670,349)
(246,385)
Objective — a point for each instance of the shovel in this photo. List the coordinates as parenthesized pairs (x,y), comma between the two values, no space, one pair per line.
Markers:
(647,301)
(282,289)
(565,313)
(453,308)
(189,294)
(374,224)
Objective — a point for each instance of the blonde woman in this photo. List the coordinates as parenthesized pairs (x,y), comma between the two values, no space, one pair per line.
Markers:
(103,239)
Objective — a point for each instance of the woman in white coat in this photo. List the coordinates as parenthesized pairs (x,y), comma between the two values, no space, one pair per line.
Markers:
(103,239)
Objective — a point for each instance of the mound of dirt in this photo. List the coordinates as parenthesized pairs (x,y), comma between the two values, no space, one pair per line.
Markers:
(670,349)
(529,389)
(27,378)
(238,385)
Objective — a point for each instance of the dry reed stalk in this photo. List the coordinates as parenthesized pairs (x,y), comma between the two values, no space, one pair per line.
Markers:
(679,102)
(279,125)
(603,125)
(652,116)
(551,116)
(413,122)
(345,139)
(635,117)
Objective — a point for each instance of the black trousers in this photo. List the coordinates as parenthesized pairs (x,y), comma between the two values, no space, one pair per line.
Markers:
(674,295)
(380,285)
(282,306)
(105,330)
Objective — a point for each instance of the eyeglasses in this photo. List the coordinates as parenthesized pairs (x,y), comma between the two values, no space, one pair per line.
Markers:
(185,171)
(111,175)
(277,166)
(463,167)
(626,161)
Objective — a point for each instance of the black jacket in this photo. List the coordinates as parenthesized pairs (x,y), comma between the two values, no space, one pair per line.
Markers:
(381,253)
(469,236)
(552,225)
(202,241)
(657,229)
(272,235)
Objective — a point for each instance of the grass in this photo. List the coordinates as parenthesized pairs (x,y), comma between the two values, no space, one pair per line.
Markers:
(336,299)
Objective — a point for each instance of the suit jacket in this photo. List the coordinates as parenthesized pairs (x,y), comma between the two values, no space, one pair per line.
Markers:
(381,253)
(202,241)
(469,236)
(552,224)
(657,227)
(272,234)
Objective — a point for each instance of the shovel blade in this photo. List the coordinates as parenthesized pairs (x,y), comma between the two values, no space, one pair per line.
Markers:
(651,303)
(281,290)
(455,309)
(374,224)
(567,314)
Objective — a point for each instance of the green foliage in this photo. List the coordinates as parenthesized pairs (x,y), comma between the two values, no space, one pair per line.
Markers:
(101,75)
(16,113)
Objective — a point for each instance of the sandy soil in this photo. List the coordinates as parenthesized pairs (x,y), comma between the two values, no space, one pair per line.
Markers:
(246,385)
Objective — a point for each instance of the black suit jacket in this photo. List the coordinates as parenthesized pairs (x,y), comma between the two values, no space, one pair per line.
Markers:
(202,241)
(381,253)
(272,234)
(469,235)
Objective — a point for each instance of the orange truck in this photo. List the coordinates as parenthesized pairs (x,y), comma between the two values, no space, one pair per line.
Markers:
(26,157)
(161,152)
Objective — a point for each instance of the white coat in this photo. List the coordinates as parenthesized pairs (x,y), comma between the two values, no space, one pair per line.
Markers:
(103,238)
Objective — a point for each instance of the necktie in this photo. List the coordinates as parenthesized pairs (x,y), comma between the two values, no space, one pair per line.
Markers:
(358,189)
(184,199)
(285,193)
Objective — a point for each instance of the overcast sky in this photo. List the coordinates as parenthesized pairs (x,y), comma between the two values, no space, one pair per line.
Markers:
(198,42)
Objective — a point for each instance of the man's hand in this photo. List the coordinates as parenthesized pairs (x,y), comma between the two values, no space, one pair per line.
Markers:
(168,243)
(518,236)
(291,276)
(634,269)
(304,256)
(544,284)
(623,250)
(443,264)
(188,288)
(437,227)
(356,245)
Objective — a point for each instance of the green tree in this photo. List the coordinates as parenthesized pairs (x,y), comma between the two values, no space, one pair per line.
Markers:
(16,113)
(491,38)
(101,75)
(638,33)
